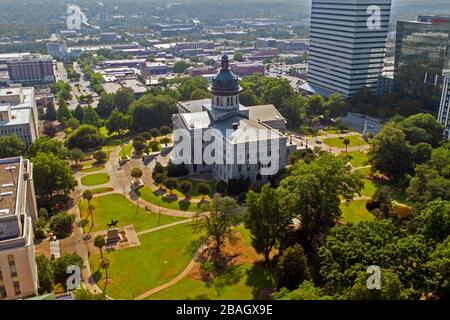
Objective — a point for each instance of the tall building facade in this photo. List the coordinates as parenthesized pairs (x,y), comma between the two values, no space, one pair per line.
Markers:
(18,113)
(347,45)
(18,212)
(30,69)
(444,108)
(422,52)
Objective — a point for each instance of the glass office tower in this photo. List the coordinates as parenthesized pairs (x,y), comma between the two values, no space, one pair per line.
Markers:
(422,53)
(347,44)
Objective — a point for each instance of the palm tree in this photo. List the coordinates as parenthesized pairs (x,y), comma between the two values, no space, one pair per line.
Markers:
(105,265)
(100,242)
(91,209)
(87,195)
(346,142)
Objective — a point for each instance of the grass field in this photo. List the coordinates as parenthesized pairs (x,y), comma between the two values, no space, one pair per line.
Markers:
(161,256)
(126,151)
(356,158)
(241,282)
(93,168)
(355,141)
(95,179)
(115,206)
(101,190)
(149,195)
(355,212)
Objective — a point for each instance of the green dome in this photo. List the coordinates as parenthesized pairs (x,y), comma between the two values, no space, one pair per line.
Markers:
(225,82)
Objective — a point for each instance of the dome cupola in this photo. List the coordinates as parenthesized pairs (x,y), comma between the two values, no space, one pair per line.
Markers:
(225,87)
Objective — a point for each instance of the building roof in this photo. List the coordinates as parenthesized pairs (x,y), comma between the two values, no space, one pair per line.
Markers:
(264,113)
(194,105)
(9,179)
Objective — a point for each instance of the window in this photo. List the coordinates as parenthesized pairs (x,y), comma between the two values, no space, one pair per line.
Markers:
(12,266)
(16,287)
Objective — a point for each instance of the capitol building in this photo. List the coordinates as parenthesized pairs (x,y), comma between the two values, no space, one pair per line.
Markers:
(240,141)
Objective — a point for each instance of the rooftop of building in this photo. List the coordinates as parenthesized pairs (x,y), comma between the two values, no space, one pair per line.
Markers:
(9,180)
(17,96)
(18,116)
(135,85)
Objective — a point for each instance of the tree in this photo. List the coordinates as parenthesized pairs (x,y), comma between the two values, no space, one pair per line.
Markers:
(50,112)
(421,152)
(350,248)
(139,145)
(99,242)
(438,281)
(390,152)
(430,126)
(313,193)
(12,146)
(61,224)
(87,195)
(122,99)
(105,105)
(47,145)
(266,220)
(159,178)
(346,142)
(180,66)
(199,94)
(440,161)
(61,264)
(434,220)
(85,137)
(105,266)
(292,268)
(305,291)
(335,105)
(84,295)
(152,112)
(158,168)
(45,274)
(91,117)
(171,183)
(221,187)
(391,288)
(238,56)
(426,186)
(186,187)
(49,129)
(118,122)
(64,113)
(72,123)
(383,202)
(216,219)
(315,105)
(76,155)
(136,173)
(79,113)
(46,166)
(204,189)
(155,133)
(100,156)
(165,130)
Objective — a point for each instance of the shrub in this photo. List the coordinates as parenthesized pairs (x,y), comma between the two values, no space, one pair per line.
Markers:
(39,234)
(100,156)
(61,224)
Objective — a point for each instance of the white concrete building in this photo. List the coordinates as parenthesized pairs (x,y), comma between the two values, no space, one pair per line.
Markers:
(18,212)
(18,113)
(233,126)
(444,108)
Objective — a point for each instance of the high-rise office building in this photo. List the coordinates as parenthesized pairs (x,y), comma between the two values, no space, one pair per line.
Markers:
(30,69)
(18,211)
(347,45)
(422,52)
(444,109)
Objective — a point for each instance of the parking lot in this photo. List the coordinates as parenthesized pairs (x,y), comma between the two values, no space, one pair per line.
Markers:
(357,122)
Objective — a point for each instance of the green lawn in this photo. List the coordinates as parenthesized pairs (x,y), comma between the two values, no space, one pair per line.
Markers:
(356,158)
(245,234)
(95,179)
(126,151)
(149,195)
(194,191)
(93,168)
(355,212)
(116,206)
(355,141)
(161,256)
(101,190)
(241,282)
